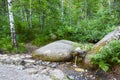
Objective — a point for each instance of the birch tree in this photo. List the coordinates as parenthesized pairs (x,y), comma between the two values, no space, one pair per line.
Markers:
(12,27)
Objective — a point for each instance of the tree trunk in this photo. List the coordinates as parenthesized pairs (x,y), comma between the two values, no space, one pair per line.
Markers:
(114,35)
(30,13)
(26,16)
(12,27)
(21,11)
(62,10)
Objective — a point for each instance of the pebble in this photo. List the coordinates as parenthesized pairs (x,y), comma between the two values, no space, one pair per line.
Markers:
(71,77)
(54,65)
(32,71)
(28,56)
(20,67)
(45,71)
(29,61)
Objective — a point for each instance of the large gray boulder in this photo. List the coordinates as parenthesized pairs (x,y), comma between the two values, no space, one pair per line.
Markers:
(61,50)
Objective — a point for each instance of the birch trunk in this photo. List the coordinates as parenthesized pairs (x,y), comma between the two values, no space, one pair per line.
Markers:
(12,27)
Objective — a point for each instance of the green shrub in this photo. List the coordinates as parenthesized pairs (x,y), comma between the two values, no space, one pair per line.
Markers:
(6,46)
(109,55)
(41,40)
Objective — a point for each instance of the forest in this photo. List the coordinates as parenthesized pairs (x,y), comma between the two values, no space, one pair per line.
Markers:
(40,22)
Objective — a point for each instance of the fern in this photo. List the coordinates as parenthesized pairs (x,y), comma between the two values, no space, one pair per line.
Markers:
(107,56)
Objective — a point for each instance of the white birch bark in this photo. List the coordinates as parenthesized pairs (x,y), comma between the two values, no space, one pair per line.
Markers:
(12,27)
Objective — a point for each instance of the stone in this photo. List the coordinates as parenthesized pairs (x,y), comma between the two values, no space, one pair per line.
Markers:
(16,60)
(20,67)
(32,71)
(29,61)
(8,61)
(57,74)
(45,71)
(43,77)
(71,77)
(57,51)
(28,56)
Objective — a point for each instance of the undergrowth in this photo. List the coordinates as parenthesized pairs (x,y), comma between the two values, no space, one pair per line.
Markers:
(108,56)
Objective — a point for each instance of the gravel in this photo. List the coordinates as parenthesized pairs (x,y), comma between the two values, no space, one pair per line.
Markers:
(23,67)
(12,72)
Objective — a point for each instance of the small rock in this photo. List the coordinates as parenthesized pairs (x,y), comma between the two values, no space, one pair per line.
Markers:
(57,74)
(8,61)
(39,62)
(43,77)
(3,57)
(32,71)
(54,65)
(29,61)
(3,75)
(91,76)
(86,70)
(28,56)
(71,77)
(29,65)
(16,60)
(45,71)
(20,67)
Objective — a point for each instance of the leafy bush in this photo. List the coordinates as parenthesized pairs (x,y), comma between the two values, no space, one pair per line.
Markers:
(6,46)
(41,40)
(84,46)
(108,55)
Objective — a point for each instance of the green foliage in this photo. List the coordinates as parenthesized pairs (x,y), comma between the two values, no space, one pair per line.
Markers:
(108,56)
(76,20)
(84,46)
(6,46)
(41,40)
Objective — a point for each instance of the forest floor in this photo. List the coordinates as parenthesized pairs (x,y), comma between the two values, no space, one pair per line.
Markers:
(69,68)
